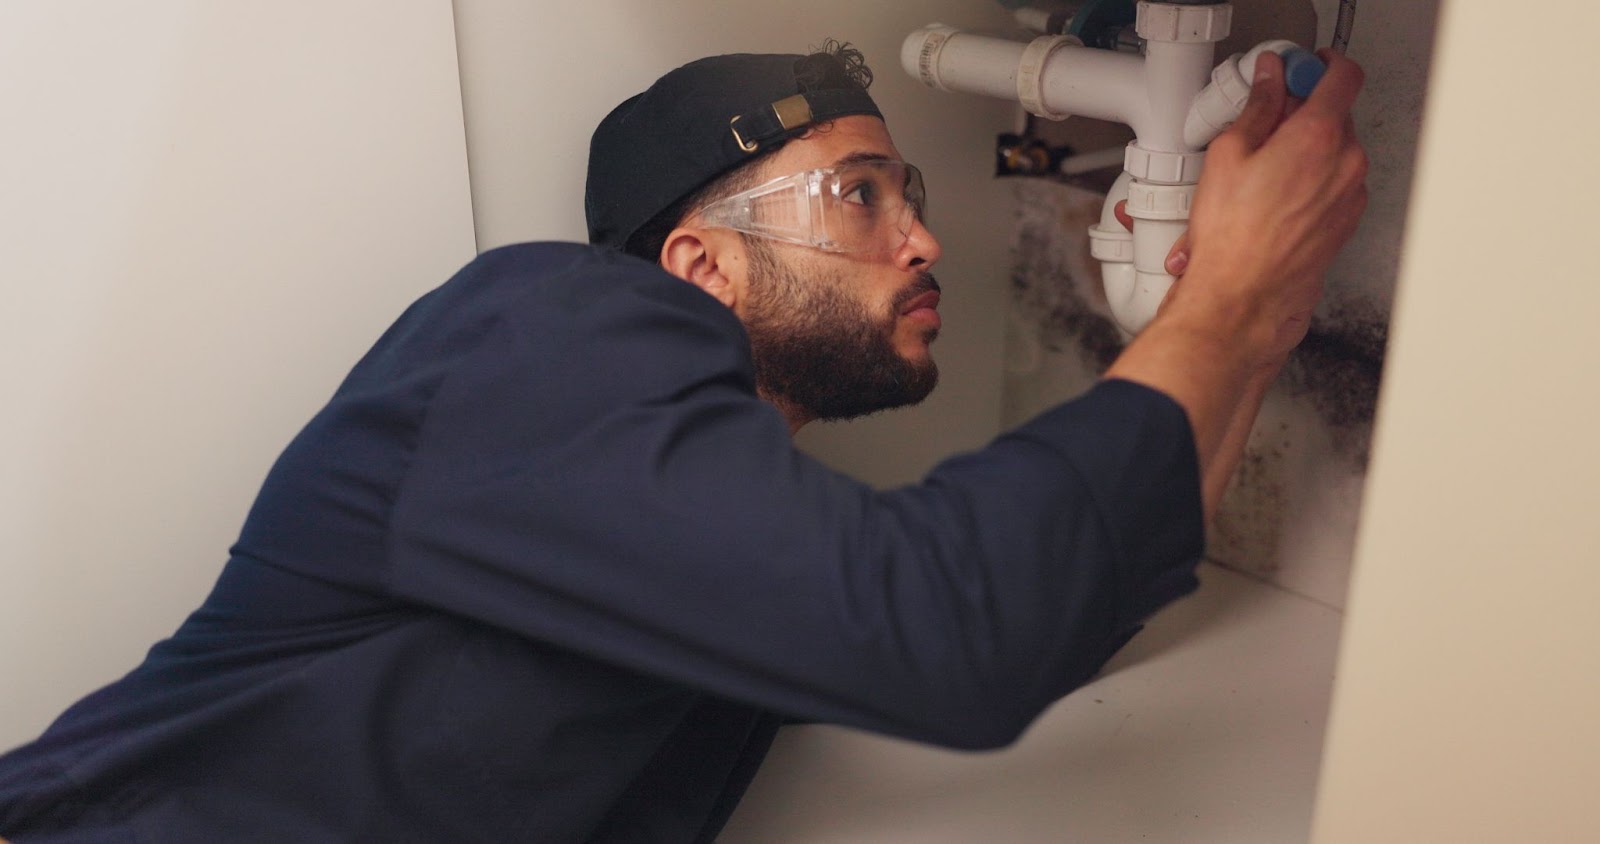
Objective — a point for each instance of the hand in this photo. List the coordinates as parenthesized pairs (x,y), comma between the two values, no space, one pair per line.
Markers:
(1282,191)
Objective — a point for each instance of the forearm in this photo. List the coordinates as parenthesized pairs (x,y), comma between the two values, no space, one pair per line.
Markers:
(1214,359)
(1214,483)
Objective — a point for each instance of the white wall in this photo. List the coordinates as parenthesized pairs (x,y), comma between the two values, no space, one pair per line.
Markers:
(537,77)
(209,211)
(1468,689)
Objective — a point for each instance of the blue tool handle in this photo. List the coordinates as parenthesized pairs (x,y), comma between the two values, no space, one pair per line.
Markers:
(1302,70)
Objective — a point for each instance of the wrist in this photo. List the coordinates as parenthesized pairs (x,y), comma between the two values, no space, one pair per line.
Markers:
(1217,311)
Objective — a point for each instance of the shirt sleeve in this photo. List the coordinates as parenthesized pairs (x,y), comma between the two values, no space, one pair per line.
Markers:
(596,472)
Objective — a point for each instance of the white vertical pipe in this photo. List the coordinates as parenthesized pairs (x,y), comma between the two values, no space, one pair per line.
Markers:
(1152,241)
(1175,74)
(1179,51)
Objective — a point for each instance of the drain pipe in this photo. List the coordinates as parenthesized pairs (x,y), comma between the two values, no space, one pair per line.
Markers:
(1056,76)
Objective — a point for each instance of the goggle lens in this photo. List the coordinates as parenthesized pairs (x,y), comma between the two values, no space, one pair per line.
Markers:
(869,207)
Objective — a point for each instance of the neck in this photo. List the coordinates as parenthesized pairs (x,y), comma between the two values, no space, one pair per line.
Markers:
(794,414)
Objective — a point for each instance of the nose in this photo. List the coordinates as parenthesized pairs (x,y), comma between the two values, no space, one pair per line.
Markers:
(921,249)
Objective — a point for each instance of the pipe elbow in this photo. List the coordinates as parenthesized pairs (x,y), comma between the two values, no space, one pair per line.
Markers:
(1133,268)
(1221,102)
(1112,245)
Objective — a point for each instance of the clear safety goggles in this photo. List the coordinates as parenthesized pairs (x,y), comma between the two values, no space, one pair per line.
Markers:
(868,207)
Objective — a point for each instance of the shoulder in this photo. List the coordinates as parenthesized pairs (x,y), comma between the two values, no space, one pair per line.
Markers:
(573,315)
(576,282)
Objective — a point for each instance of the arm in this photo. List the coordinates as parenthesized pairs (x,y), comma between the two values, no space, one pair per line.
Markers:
(1282,191)
(586,464)
(1214,481)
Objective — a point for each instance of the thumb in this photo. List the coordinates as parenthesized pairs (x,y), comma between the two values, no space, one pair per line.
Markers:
(1263,111)
(1178,258)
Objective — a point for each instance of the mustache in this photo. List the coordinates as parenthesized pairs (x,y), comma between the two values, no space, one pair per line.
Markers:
(924,283)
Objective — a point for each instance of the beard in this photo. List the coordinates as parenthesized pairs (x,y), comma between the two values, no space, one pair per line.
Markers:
(822,351)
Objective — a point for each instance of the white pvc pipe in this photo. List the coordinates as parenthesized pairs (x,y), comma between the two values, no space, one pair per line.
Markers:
(950,60)
(1133,265)
(1091,83)
(1152,242)
(1089,162)
(1174,75)
(1221,102)
(1096,83)
(1113,246)
(1153,94)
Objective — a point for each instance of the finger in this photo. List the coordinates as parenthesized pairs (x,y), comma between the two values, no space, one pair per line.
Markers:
(1336,92)
(1264,109)
(1178,258)
(1123,217)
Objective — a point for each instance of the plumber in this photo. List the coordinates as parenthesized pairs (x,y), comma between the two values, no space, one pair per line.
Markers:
(548,567)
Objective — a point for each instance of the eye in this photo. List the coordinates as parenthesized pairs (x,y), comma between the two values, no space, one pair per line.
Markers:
(862,193)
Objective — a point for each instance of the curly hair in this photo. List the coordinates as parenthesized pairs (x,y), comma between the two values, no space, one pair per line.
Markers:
(835,64)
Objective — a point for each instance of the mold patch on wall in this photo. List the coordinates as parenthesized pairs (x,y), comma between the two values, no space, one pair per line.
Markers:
(1249,525)
(1337,369)
(1318,416)
(1055,282)
(1292,510)
(1058,291)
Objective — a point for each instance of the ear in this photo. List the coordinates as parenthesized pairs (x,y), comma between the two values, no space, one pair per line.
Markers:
(711,259)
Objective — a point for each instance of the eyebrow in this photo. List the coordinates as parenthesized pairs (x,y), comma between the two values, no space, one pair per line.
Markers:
(862,158)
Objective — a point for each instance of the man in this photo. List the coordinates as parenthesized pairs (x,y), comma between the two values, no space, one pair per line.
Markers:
(548,567)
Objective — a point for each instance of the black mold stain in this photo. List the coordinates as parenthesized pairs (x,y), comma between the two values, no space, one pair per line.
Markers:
(1338,368)
(1069,319)
(1044,255)
(1249,524)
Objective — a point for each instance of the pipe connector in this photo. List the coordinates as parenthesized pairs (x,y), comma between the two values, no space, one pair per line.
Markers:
(1030,73)
(1167,168)
(1133,269)
(1112,246)
(1161,216)
(1182,24)
(1053,77)
(1223,100)
(1149,201)
(920,53)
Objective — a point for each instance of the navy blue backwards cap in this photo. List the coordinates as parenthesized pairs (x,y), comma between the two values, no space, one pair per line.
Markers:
(698,122)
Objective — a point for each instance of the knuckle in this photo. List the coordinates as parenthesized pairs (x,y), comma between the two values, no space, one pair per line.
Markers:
(1322,128)
(1352,164)
(1358,76)
(1361,165)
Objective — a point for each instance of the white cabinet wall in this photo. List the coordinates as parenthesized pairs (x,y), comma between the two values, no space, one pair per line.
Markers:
(208,212)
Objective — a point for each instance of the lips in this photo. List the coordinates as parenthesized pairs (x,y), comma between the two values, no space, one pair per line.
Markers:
(929,300)
(923,311)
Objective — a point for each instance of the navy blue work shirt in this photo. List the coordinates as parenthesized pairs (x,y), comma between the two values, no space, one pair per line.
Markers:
(546,569)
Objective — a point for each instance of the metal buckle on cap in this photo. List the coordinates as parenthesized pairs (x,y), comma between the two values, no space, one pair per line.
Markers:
(791,112)
(750,147)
